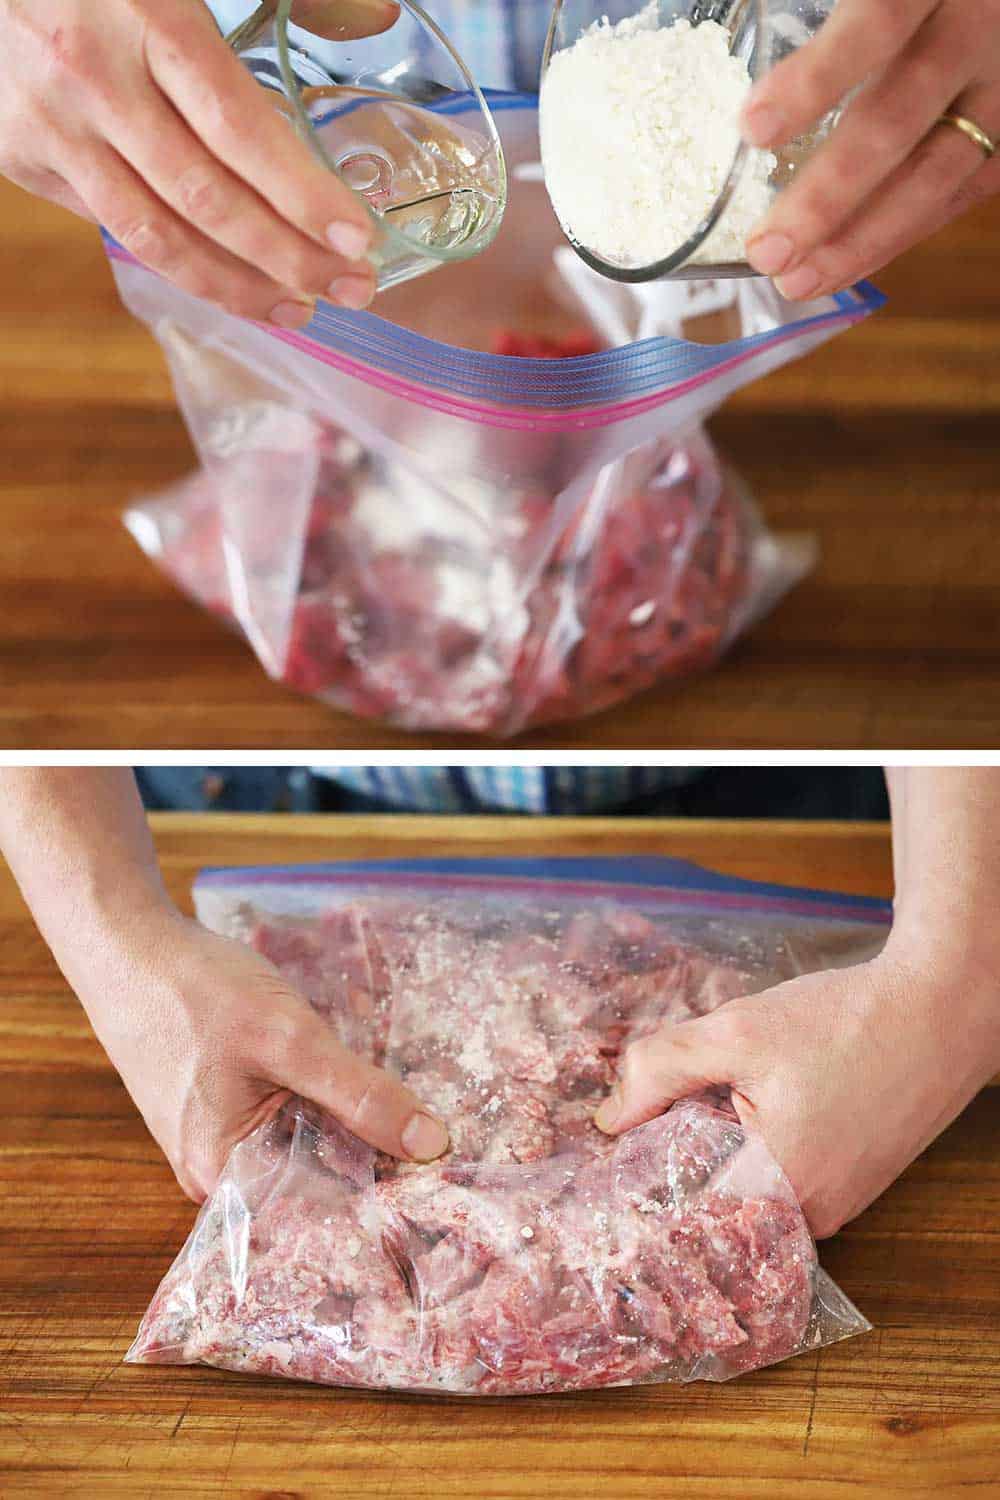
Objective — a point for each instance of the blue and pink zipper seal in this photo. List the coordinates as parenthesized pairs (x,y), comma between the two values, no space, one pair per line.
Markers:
(497,390)
(643,879)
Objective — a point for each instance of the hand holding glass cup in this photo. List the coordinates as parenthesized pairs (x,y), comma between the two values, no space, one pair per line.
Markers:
(760,33)
(384,101)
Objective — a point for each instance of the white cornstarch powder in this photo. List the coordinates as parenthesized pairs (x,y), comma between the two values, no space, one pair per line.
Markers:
(639,124)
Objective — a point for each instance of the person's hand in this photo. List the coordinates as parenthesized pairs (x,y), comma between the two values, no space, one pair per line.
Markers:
(136,114)
(890,174)
(210,1040)
(846,1074)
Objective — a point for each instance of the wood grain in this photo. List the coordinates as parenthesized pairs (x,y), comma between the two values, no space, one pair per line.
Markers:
(90,1218)
(883,442)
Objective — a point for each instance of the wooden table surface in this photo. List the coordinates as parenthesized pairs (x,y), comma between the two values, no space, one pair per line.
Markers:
(90,1218)
(884,443)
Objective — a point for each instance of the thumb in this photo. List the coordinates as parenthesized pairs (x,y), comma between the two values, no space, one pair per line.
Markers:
(675,1061)
(368,1101)
(341,20)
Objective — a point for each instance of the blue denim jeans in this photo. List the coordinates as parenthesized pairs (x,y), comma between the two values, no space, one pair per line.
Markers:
(228,788)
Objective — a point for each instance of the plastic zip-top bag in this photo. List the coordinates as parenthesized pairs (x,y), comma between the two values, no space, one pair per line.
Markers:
(410,526)
(538,1254)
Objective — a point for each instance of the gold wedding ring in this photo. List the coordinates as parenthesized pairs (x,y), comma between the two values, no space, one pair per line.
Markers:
(975,132)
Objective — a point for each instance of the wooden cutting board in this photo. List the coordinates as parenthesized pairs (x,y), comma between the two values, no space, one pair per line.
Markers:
(90,1218)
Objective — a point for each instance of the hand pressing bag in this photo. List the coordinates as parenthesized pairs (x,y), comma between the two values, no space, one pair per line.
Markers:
(538,1255)
(415,529)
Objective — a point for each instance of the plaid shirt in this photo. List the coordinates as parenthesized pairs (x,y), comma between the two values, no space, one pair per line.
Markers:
(500,41)
(435,789)
(524,789)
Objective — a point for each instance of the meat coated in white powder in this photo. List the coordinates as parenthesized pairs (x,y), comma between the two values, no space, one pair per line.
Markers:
(539,1255)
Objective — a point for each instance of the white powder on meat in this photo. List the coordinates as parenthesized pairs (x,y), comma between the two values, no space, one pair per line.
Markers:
(639,125)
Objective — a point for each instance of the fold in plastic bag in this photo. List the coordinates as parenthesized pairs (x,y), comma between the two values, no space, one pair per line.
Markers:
(410,527)
(539,1255)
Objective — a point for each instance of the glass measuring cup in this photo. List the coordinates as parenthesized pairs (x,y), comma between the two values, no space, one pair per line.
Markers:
(761,33)
(397,116)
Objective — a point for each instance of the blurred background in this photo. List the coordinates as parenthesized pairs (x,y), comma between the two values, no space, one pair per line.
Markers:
(845,792)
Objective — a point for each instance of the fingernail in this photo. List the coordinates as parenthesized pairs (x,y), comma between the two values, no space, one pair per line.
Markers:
(801,282)
(292,314)
(609,1111)
(424,1138)
(770,253)
(350,240)
(354,292)
(763,124)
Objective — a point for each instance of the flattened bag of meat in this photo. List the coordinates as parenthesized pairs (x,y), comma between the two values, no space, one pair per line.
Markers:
(538,1255)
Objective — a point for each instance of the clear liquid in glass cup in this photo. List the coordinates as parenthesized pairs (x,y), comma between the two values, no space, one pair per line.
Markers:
(761,33)
(398,117)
